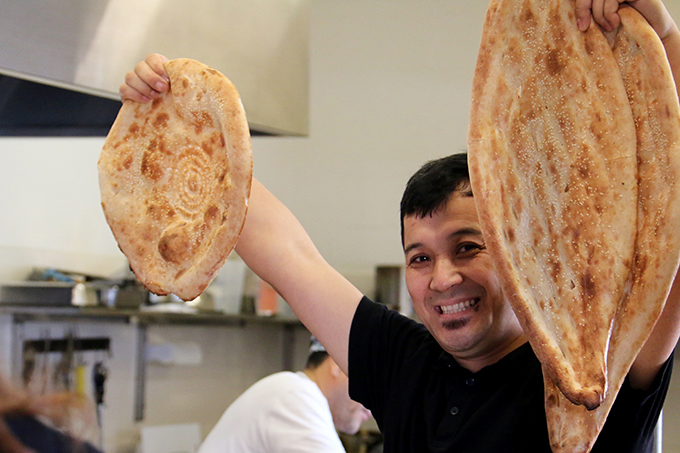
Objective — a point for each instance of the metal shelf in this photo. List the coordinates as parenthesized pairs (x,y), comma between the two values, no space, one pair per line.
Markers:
(142,319)
(72,313)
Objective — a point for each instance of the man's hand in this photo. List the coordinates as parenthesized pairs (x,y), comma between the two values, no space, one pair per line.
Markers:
(147,81)
(605,14)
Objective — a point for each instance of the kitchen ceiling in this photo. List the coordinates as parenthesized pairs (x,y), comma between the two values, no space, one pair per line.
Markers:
(262,46)
(32,109)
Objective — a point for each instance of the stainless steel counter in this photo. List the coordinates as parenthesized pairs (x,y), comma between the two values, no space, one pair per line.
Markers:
(22,313)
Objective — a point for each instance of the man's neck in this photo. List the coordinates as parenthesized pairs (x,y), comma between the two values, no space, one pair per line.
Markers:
(476,363)
(314,375)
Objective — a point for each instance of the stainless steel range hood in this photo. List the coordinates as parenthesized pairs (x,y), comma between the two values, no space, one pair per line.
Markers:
(87,46)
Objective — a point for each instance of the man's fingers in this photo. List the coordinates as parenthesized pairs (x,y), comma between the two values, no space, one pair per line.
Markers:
(127,93)
(611,8)
(156,62)
(136,89)
(146,81)
(583,15)
(149,75)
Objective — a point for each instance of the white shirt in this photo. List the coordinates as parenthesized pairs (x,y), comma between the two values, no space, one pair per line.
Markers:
(283,412)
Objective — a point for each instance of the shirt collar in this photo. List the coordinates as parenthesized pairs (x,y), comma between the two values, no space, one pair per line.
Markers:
(446,360)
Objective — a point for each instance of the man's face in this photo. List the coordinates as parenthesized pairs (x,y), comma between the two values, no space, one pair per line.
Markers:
(454,286)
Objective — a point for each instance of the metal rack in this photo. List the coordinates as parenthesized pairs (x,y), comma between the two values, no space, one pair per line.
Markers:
(141,320)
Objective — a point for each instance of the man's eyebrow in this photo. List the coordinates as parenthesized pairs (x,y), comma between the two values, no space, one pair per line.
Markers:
(469,231)
(466,232)
(411,247)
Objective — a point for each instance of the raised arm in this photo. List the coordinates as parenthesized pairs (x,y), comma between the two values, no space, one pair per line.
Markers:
(277,248)
(274,244)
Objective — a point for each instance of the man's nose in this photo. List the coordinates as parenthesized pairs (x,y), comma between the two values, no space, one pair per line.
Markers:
(445,275)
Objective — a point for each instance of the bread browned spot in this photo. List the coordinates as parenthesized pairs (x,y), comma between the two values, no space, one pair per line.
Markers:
(574,145)
(175,177)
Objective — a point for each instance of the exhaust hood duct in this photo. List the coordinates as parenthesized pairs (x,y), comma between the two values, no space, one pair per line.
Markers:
(61,63)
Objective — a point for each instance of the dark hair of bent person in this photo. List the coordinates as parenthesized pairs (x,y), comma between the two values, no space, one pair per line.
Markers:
(429,188)
(21,431)
(315,359)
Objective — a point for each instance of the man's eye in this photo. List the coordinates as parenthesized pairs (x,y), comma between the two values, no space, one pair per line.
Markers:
(469,247)
(418,259)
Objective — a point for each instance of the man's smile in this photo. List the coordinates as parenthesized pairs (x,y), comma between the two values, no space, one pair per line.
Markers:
(456,308)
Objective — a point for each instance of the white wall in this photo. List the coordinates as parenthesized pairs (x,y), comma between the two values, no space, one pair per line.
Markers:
(390,84)
(389,89)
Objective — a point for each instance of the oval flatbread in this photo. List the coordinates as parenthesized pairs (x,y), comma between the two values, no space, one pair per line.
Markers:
(554,172)
(175,177)
(653,100)
(574,147)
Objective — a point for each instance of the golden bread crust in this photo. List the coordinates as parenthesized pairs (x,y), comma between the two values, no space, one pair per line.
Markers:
(175,177)
(575,164)
(554,176)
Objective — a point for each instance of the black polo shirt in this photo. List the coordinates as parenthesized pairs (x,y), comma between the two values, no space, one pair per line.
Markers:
(423,400)
(41,438)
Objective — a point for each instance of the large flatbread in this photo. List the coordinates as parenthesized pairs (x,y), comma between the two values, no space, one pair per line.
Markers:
(585,253)
(653,101)
(175,177)
(554,173)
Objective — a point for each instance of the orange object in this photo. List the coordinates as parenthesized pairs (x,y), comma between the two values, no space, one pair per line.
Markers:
(266,302)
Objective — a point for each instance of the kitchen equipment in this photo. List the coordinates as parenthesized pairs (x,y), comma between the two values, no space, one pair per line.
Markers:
(51,293)
(130,294)
(261,46)
(47,293)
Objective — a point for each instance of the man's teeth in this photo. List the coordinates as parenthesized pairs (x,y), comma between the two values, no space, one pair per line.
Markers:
(448,309)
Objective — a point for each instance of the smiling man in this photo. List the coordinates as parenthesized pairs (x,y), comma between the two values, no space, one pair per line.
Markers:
(464,379)
(449,271)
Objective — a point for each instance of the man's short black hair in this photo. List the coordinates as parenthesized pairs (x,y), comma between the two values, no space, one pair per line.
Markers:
(315,359)
(430,187)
